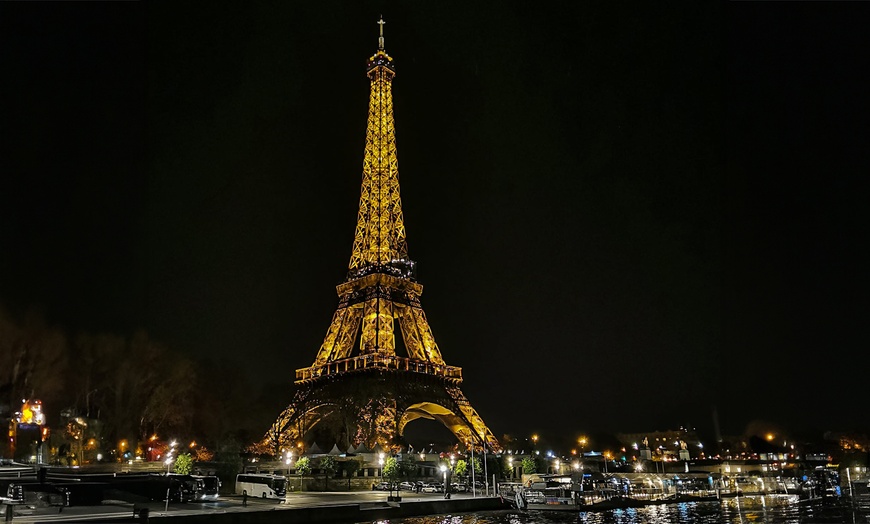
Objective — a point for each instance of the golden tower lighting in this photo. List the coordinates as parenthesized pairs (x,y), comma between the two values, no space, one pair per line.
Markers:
(380,297)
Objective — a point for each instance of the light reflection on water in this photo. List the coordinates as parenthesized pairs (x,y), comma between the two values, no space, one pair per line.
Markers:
(747,510)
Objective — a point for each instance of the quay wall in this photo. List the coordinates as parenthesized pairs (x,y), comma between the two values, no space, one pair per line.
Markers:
(346,513)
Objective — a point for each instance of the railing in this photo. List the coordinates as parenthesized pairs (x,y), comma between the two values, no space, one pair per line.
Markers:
(376,361)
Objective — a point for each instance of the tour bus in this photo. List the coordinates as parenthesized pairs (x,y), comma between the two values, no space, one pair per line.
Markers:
(263,485)
(207,487)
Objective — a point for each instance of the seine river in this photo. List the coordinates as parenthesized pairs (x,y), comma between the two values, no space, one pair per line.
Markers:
(744,511)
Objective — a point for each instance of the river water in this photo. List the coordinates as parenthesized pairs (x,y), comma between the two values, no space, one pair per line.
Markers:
(747,510)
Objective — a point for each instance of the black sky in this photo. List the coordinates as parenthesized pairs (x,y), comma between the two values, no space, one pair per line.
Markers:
(622,216)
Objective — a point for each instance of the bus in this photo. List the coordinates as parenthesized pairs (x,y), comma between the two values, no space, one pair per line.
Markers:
(263,485)
(207,487)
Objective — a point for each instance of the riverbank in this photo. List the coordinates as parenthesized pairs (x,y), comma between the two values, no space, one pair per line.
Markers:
(319,508)
(347,513)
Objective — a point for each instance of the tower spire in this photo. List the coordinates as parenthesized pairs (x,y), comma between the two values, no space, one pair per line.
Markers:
(379,238)
(381,38)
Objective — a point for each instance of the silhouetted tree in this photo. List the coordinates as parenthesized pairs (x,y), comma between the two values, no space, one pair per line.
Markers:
(529,465)
(303,467)
(392,471)
(328,465)
(460,469)
(171,401)
(33,360)
(350,467)
(183,464)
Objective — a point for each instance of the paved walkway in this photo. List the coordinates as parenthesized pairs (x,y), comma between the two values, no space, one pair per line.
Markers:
(117,511)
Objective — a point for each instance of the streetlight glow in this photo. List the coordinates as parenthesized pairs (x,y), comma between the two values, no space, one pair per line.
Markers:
(168,461)
(444,472)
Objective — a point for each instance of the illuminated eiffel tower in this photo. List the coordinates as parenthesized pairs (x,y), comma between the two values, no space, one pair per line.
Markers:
(369,394)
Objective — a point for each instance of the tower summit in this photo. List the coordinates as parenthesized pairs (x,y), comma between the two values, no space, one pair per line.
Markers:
(368,390)
(380,229)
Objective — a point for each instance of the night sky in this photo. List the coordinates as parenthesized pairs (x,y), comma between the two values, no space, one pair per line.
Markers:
(622,217)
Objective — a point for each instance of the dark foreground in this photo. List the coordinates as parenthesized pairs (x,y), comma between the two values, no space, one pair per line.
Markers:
(369,507)
(326,508)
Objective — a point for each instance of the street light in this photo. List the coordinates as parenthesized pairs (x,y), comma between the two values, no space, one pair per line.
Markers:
(168,462)
(444,472)
(288,461)
(486,473)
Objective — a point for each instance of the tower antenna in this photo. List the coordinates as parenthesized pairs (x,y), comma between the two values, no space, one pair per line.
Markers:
(381,38)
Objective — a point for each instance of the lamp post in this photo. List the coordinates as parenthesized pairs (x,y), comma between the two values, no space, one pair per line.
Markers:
(288,461)
(444,472)
(473,478)
(446,492)
(168,461)
(486,472)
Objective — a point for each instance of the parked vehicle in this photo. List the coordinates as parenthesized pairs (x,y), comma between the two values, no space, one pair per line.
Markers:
(182,488)
(207,487)
(434,487)
(261,485)
(382,486)
(408,486)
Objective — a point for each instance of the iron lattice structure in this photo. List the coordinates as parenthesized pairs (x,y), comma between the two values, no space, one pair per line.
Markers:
(369,395)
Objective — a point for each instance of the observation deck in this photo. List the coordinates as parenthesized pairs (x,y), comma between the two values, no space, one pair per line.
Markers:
(374,361)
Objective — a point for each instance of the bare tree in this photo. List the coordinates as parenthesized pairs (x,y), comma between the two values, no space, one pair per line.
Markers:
(33,359)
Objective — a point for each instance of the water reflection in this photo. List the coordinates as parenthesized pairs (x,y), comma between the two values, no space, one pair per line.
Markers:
(743,510)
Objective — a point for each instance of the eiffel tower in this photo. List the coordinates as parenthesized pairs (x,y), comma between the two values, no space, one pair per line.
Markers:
(369,393)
